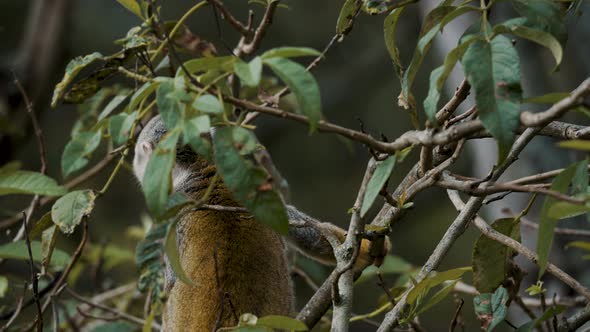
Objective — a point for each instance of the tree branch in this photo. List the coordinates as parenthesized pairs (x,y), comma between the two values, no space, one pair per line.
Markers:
(489,232)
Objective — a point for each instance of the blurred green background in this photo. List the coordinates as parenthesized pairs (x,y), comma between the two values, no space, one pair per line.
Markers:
(357,82)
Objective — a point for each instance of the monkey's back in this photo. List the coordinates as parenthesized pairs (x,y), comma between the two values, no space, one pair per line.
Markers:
(238,266)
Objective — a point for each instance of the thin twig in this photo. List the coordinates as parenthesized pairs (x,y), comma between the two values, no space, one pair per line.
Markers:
(451,106)
(254,44)
(55,316)
(42,154)
(34,279)
(121,314)
(449,182)
(308,280)
(227,15)
(456,316)
(221,208)
(538,177)
(558,230)
(19,306)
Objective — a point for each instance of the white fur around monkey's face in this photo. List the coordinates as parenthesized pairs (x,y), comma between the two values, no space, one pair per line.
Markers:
(144,148)
(143,151)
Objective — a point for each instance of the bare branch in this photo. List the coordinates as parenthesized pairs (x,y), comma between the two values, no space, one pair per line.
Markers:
(346,255)
(449,182)
(558,109)
(558,230)
(254,44)
(423,137)
(227,15)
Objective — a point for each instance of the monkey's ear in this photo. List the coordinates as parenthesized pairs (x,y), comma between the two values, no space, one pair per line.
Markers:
(147,147)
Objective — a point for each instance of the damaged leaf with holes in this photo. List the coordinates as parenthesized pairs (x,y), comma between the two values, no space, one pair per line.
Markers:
(149,258)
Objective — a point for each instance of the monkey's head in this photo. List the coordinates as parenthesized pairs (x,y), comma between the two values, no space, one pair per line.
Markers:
(186,159)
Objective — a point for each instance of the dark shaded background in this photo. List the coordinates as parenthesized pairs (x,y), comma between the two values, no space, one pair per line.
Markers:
(357,82)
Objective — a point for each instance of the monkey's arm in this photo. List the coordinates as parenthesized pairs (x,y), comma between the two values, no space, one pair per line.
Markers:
(307,235)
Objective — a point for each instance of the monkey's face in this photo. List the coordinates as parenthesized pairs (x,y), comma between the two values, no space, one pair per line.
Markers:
(186,160)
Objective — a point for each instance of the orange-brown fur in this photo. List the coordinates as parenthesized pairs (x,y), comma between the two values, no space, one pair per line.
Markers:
(238,266)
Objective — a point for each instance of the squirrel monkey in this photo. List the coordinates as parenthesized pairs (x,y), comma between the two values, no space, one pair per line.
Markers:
(237,264)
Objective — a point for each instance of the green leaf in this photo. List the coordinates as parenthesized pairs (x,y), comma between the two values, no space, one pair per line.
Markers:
(249,73)
(132,6)
(562,210)
(303,85)
(543,15)
(14,181)
(157,180)
(380,176)
(119,127)
(170,103)
(289,52)
(3,286)
(48,241)
(493,70)
(116,101)
(492,262)
(437,297)
(439,75)
(429,29)
(389,30)
(115,327)
(208,63)
(42,224)
(538,36)
(250,185)
(77,151)
(191,134)
(546,222)
(434,22)
(391,265)
(171,249)
(10,167)
(208,104)
(434,280)
(581,184)
(346,16)
(68,211)
(72,69)
(18,250)
(579,244)
(576,144)
(491,308)
(550,98)
(281,323)
(90,85)
(552,311)
(149,258)
(142,93)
